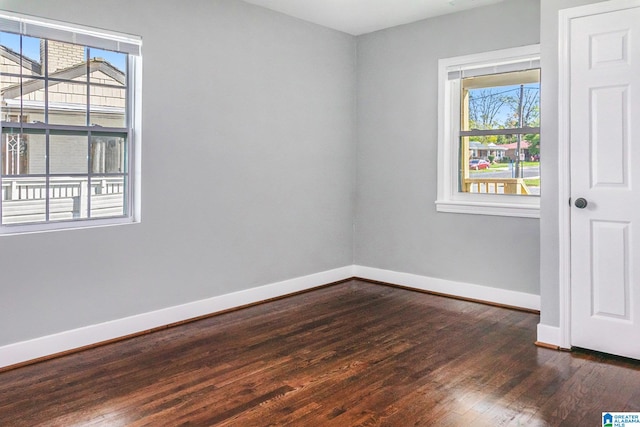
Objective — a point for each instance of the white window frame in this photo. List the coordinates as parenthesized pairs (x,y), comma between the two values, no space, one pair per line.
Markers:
(103,39)
(449,199)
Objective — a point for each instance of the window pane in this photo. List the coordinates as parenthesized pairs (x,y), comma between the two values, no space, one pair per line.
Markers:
(108,154)
(63,57)
(495,101)
(107,67)
(107,196)
(68,154)
(108,106)
(11,112)
(67,103)
(21,54)
(22,153)
(23,101)
(20,57)
(10,63)
(11,48)
(505,168)
(23,200)
(68,198)
(14,153)
(31,56)
(33,98)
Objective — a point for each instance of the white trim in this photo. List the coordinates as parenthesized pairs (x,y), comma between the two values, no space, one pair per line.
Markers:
(598,8)
(135,129)
(488,208)
(520,54)
(24,351)
(20,352)
(46,227)
(449,199)
(449,287)
(564,154)
(564,183)
(549,335)
(69,27)
(38,27)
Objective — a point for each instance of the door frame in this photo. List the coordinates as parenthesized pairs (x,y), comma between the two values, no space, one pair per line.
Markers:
(564,152)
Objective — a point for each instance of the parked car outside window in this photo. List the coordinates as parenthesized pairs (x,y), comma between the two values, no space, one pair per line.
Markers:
(477,164)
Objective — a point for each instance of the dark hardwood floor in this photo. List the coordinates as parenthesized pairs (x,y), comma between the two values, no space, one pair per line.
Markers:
(353,354)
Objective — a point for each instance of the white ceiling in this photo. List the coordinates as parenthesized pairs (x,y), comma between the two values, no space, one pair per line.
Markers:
(364,16)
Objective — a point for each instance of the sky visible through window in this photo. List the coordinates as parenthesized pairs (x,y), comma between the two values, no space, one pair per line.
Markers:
(31,49)
(497,107)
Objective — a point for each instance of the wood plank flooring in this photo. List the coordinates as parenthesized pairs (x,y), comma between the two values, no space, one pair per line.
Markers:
(353,354)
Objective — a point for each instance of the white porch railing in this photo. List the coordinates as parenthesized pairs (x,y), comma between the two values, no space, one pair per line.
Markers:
(496,185)
(24,199)
(35,188)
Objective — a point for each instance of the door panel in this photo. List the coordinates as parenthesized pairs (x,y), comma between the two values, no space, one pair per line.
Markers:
(610,276)
(605,166)
(609,145)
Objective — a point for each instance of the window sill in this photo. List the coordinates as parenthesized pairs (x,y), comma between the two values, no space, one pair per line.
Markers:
(531,209)
(45,227)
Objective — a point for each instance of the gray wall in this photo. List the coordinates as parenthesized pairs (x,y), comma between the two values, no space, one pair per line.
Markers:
(248,130)
(249,152)
(397,226)
(549,267)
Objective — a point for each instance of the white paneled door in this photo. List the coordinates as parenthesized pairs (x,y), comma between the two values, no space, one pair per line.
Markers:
(605,180)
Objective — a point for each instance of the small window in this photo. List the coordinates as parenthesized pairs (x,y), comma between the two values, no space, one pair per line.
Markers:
(489,133)
(69,110)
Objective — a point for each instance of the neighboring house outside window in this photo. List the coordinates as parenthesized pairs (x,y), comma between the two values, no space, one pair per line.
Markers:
(70,126)
(489,133)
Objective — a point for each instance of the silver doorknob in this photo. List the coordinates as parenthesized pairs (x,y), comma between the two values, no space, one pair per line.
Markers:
(581,203)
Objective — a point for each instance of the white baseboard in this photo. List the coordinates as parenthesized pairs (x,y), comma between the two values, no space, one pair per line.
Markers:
(549,335)
(24,351)
(458,289)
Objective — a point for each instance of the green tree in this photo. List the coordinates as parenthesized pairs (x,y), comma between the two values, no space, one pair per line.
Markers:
(534,143)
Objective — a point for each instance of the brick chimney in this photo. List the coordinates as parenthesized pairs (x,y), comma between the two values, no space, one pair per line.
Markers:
(62,55)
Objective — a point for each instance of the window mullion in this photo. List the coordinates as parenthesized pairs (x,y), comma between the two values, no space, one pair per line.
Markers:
(490,132)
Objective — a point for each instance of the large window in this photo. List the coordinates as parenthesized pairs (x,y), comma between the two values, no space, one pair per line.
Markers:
(489,133)
(69,109)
